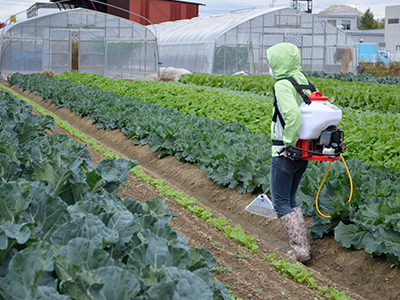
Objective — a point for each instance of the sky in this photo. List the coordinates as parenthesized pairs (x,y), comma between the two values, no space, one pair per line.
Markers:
(215,7)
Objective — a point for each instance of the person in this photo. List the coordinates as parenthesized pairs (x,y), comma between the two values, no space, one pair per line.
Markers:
(286,173)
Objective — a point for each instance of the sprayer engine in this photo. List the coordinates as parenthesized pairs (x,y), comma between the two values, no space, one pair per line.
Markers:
(328,146)
(331,141)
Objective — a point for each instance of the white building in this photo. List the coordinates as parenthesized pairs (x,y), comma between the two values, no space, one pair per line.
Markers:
(342,20)
(392,31)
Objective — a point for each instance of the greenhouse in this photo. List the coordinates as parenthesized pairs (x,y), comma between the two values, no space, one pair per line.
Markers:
(238,41)
(79,40)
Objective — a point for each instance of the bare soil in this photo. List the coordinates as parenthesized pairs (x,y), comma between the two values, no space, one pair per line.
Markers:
(356,272)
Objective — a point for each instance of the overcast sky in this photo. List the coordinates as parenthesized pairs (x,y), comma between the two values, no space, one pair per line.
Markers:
(214,7)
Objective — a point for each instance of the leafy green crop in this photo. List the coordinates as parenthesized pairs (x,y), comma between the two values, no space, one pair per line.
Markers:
(21,126)
(363,77)
(359,95)
(371,221)
(297,271)
(258,84)
(356,95)
(231,156)
(302,276)
(254,112)
(371,136)
(228,153)
(65,234)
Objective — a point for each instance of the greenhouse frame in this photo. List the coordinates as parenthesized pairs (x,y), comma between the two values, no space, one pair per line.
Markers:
(79,40)
(238,41)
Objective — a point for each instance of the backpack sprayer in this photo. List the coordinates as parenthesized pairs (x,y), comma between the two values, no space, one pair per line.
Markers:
(319,139)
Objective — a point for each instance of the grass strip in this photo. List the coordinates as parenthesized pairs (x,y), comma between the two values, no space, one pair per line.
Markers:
(298,273)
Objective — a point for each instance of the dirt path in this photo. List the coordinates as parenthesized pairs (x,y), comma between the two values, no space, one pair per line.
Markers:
(355,272)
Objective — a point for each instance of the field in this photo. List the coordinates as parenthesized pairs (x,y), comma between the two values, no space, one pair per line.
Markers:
(245,264)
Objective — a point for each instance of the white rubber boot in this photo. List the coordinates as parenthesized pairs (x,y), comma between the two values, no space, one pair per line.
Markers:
(299,213)
(292,226)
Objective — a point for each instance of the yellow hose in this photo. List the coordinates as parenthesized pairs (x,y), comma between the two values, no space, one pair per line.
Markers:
(320,187)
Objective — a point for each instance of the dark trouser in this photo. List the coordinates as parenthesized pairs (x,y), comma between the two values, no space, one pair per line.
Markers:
(285,179)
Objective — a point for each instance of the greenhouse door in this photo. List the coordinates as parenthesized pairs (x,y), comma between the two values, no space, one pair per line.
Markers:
(74,46)
(77,50)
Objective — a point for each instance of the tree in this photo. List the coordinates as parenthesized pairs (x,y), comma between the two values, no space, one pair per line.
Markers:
(381,23)
(367,21)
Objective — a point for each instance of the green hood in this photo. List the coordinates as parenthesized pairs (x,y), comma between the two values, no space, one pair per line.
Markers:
(284,60)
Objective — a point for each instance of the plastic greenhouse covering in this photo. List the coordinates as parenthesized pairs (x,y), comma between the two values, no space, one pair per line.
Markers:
(79,40)
(238,41)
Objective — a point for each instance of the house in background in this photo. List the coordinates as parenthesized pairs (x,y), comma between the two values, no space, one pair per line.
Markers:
(371,44)
(342,16)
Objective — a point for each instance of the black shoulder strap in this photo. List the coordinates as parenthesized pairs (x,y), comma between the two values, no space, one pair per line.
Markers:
(299,89)
(277,113)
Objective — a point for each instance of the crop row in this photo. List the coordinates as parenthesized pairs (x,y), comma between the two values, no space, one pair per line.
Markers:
(363,77)
(357,95)
(370,136)
(228,153)
(377,232)
(253,111)
(64,232)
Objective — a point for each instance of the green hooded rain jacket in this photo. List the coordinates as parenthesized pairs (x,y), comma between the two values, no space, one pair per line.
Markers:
(285,61)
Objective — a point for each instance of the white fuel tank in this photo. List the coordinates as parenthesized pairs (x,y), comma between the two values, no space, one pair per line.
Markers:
(317,116)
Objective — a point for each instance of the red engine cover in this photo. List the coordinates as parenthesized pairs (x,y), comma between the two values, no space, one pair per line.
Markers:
(309,145)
